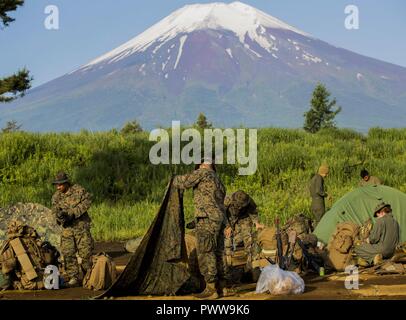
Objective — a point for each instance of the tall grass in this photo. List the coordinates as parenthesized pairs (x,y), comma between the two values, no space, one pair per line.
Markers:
(127,189)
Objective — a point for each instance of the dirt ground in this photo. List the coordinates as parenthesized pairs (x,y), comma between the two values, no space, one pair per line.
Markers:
(331,287)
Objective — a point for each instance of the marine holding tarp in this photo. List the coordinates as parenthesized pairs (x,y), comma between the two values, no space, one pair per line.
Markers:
(210,219)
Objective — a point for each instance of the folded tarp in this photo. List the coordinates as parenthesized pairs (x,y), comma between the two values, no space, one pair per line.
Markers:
(159,266)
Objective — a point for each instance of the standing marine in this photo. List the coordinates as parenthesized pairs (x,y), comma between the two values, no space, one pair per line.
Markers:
(208,198)
(70,204)
(318,193)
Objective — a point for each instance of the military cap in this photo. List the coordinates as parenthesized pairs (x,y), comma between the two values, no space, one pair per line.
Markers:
(324,169)
(240,199)
(60,178)
(380,206)
(207,160)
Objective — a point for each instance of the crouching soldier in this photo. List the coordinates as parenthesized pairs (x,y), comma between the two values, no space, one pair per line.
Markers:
(382,240)
(208,199)
(70,204)
(242,216)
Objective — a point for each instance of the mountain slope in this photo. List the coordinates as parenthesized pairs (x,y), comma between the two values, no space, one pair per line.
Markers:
(233,62)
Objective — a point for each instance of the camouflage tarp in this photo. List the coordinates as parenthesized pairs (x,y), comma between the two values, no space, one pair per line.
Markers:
(35,215)
(160,264)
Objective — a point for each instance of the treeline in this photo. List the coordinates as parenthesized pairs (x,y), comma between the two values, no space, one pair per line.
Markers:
(128,189)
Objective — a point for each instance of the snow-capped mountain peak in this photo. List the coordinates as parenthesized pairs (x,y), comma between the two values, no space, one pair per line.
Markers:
(237,17)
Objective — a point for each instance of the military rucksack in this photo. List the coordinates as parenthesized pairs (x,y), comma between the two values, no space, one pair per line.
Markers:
(102,274)
(300,224)
(22,257)
(341,244)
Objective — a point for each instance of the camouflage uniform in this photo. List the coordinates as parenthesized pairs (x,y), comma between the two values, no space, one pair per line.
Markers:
(317,194)
(208,198)
(76,237)
(242,216)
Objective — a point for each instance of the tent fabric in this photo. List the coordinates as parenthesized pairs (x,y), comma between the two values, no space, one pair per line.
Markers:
(160,265)
(358,206)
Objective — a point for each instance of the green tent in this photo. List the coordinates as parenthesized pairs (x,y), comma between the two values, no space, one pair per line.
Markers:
(358,206)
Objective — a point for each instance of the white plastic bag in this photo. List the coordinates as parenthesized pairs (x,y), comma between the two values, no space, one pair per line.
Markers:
(279,282)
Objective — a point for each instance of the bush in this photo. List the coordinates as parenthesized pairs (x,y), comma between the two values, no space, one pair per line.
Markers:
(127,189)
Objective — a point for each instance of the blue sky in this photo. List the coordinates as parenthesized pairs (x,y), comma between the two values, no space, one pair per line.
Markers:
(92,27)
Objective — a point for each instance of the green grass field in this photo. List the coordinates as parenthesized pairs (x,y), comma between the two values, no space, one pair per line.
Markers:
(127,189)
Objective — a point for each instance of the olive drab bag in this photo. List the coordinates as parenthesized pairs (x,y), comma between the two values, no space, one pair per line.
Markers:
(102,274)
(341,244)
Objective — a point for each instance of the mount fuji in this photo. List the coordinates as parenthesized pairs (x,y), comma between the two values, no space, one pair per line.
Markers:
(236,64)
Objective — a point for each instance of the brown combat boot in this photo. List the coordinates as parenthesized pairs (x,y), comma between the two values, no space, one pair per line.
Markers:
(361,262)
(209,293)
(378,259)
(226,291)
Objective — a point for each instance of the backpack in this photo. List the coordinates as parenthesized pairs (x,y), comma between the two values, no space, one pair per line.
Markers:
(341,244)
(21,256)
(299,223)
(102,274)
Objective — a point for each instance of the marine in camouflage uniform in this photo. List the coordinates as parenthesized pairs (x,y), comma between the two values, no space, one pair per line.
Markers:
(208,198)
(70,204)
(317,193)
(242,215)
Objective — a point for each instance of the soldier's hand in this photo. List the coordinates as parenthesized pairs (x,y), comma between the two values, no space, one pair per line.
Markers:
(259,225)
(227,232)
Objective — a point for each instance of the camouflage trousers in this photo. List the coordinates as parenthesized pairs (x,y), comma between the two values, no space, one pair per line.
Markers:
(210,249)
(243,233)
(76,242)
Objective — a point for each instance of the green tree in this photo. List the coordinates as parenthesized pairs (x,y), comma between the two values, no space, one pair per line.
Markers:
(202,122)
(11,126)
(131,127)
(15,85)
(321,114)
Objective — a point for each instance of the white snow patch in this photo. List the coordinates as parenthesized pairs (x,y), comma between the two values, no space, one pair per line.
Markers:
(164,65)
(141,69)
(158,47)
(309,57)
(230,53)
(173,46)
(359,76)
(327,63)
(182,42)
(385,77)
(254,52)
(274,55)
(237,17)
(297,48)
(272,37)
(166,76)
